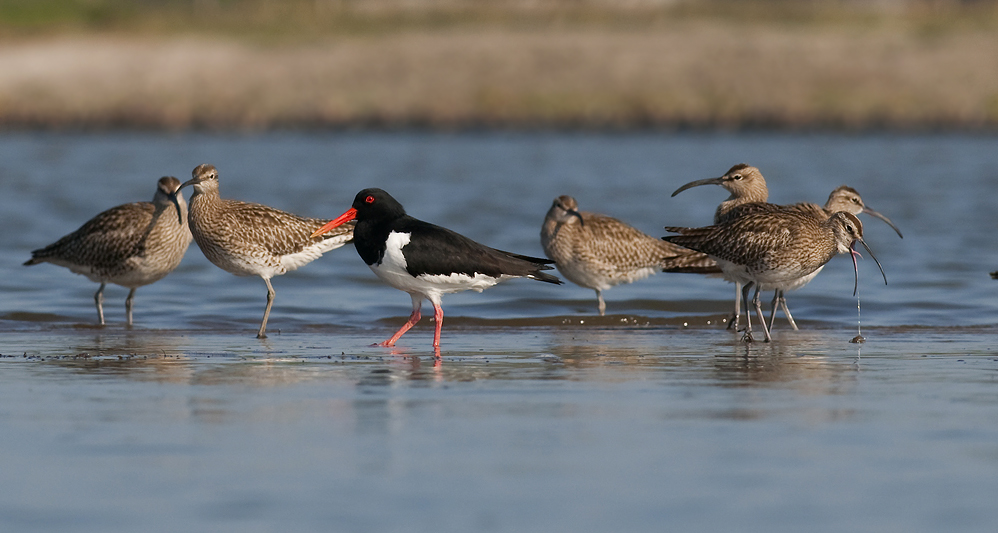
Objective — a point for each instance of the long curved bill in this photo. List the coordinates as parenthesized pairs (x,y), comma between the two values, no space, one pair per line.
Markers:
(176,203)
(697,183)
(338,221)
(853,253)
(873,213)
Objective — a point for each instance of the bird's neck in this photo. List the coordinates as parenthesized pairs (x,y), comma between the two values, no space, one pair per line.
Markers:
(552,226)
(204,201)
(369,237)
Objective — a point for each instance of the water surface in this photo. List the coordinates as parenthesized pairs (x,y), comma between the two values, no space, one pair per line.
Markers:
(541,416)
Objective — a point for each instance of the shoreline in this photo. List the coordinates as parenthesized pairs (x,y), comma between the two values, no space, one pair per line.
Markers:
(473,128)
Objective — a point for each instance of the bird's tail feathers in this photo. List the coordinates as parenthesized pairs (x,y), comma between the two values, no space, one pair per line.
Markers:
(541,276)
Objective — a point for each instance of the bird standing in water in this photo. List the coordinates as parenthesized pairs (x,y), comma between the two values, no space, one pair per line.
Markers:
(598,252)
(426,260)
(844,199)
(749,194)
(129,245)
(775,249)
(747,186)
(248,239)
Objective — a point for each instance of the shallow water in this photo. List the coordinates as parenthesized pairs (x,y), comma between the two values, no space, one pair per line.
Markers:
(540,417)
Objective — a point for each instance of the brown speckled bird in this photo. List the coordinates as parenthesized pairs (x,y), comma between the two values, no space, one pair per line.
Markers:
(843,198)
(744,182)
(129,245)
(597,252)
(249,239)
(747,186)
(749,194)
(779,249)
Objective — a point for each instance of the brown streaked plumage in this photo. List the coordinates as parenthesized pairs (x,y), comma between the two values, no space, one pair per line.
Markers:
(129,245)
(843,198)
(775,249)
(749,194)
(248,239)
(747,186)
(598,252)
(744,182)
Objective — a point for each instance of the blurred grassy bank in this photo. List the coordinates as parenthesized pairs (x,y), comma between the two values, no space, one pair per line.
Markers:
(258,64)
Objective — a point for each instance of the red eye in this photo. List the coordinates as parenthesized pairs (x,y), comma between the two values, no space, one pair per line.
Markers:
(369,200)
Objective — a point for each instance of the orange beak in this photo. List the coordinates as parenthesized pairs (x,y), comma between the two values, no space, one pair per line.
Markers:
(338,221)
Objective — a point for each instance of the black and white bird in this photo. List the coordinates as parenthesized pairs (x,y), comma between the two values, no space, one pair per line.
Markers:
(425,260)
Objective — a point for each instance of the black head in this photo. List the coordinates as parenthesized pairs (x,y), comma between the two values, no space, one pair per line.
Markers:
(370,206)
(376,204)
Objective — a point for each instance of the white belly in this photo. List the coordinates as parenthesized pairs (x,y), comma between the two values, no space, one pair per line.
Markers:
(392,270)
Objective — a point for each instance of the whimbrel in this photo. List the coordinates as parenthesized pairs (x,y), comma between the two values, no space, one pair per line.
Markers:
(248,239)
(129,245)
(843,198)
(425,260)
(748,195)
(747,186)
(744,182)
(775,249)
(597,252)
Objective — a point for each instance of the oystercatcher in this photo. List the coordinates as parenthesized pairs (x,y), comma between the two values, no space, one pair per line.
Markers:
(425,260)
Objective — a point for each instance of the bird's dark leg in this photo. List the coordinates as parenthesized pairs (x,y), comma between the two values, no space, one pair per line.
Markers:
(779,298)
(733,322)
(747,337)
(772,311)
(99,300)
(786,311)
(262,334)
(758,312)
(128,306)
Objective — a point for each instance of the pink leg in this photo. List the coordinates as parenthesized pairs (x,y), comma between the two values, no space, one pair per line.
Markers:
(413,318)
(438,317)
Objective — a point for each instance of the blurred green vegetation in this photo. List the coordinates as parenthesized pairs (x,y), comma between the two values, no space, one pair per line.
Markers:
(305,19)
